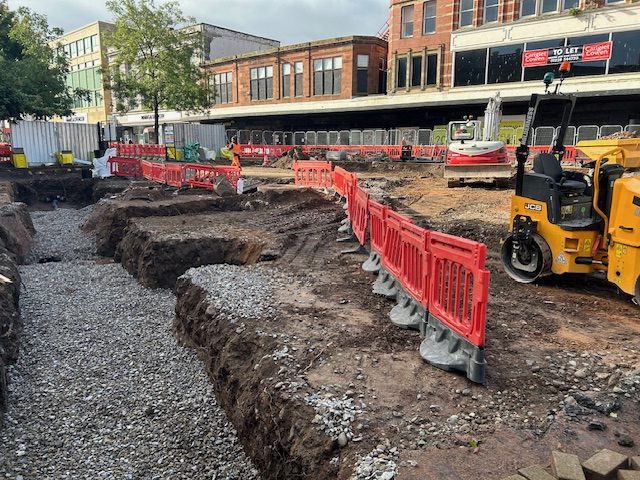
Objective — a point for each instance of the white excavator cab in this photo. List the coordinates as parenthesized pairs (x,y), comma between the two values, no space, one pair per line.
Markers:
(465,130)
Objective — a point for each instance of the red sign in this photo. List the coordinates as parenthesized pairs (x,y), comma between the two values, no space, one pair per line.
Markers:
(572,53)
(596,51)
(535,58)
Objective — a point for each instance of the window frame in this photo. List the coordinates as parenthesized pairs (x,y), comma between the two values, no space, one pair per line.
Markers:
(298,75)
(286,80)
(396,83)
(260,89)
(404,22)
(484,12)
(360,69)
(425,18)
(327,73)
(461,11)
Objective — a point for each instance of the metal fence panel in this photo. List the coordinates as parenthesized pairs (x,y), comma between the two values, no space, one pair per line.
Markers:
(588,132)
(256,137)
(345,137)
(322,138)
(410,136)
(287,138)
(244,137)
(80,138)
(381,137)
(232,132)
(569,136)
(633,128)
(368,137)
(312,138)
(299,138)
(544,135)
(424,136)
(210,136)
(267,137)
(606,130)
(394,137)
(38,139)
(334,137)
(356,137)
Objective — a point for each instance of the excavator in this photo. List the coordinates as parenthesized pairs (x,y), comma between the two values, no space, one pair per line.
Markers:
(473,151)
(570,221)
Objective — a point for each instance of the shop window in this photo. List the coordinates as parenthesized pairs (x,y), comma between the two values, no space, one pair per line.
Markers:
(625,56)
(580,69)
(505,64)
(401,73)
(466,13)
(432,69)
(327,74)
(261,83)
(382,75)
(416,71)
(407,21)
(470,67)
(363,74)
(223,85)
(298,70)
(491,11)
(286,80)
(429,20)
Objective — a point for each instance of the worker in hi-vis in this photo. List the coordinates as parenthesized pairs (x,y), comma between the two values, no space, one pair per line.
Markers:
(236,149)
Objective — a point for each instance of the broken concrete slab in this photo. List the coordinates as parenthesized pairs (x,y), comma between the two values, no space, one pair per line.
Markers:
(535,472)
(628,475)
(566,466)
(635,463)
(604,465)
(514,477)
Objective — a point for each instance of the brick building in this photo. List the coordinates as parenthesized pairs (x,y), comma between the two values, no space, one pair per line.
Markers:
(320,71)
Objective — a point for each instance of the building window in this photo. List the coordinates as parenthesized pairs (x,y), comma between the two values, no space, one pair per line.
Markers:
(568,4)
(536,73)
(286,80)
(470,67)
(549,6)
(432,69)
(416,71)
(505,64)
(580,69)
(74,50)
(429,21)
(401,73)
(94,43)
(87,45)
(297,87)
(610,2)
(327,76)
(466,13)
(382,75)
(625,56)
(536,7)
(490,11)
(407,22)
(363,74)
(223,84)
(262,83)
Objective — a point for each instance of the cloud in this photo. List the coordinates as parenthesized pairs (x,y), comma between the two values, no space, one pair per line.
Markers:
(290,21)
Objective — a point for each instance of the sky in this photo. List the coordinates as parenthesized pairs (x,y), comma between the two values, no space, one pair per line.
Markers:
(290,21)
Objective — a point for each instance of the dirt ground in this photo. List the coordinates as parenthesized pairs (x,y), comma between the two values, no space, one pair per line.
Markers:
(560,354)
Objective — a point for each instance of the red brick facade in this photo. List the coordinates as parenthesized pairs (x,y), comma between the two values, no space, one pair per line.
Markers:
(345,49)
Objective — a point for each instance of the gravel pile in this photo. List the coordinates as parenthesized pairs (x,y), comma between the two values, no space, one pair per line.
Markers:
(335,415)
(381,463)
(101,389)
(59,235)
(240,292)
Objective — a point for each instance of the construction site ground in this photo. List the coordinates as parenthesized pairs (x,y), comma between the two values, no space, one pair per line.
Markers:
(299,351)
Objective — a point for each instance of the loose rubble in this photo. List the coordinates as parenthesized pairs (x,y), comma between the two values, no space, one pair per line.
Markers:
(335,415)
(381,463)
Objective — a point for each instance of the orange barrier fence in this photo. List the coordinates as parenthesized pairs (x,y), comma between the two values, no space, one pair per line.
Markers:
(313,174)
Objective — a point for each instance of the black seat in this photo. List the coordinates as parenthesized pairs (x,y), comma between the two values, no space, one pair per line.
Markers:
(609,173)
(547,164)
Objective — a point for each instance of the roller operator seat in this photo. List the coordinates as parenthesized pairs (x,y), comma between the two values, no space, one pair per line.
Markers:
(547,164)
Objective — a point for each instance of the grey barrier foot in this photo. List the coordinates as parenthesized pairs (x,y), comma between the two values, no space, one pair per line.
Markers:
(345,227)
(407,313)
(373,263)
(385,285)
(358,249)
(446,350)
(349,238)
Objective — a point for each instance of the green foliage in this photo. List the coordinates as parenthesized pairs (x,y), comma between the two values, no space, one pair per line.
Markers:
(32,74)
(153,58)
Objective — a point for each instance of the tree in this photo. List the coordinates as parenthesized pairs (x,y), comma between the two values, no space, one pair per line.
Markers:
(152,60)
(32,74)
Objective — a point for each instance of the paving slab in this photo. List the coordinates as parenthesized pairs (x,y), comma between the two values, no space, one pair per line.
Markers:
(604,465)
(566,466)
(514,477)
(535,472)
(628,475)
(635,463)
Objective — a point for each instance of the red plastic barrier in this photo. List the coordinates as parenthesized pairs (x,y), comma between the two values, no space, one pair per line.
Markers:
(233,174)
(359,205)
(264,150)
(174,174)
(139,150)
(5,152)
(459,285)
(415,261)
(204,176)
(158,172)
(313,174)
(377,223)
(125,167)
(340,181)
(392,253)
(147,169)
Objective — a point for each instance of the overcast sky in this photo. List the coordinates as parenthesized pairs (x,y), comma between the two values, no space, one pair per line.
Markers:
(290,21)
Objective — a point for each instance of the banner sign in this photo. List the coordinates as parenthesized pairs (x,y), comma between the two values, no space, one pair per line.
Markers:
(576,53)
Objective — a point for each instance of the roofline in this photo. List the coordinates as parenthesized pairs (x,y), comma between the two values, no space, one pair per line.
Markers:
(236,31)
(75,30)
(297,46)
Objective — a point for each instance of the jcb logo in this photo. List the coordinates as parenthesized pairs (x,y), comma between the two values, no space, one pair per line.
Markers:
(533,206)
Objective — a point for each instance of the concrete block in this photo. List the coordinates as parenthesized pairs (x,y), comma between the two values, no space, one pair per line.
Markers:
(604,465)
(566,466)
(628,475)
(535,472)
(635,463)
(514,477)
